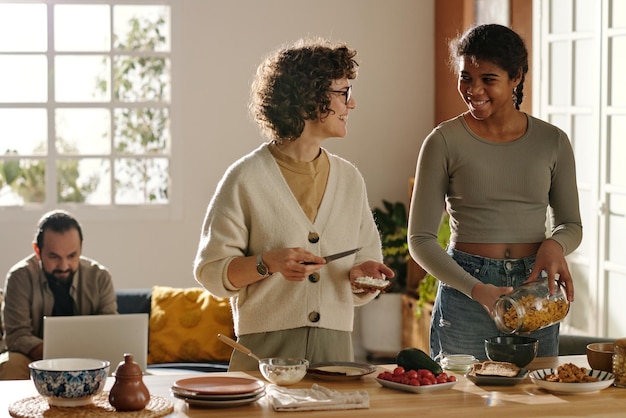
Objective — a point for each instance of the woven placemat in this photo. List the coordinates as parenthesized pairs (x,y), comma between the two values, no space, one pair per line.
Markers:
(37,407)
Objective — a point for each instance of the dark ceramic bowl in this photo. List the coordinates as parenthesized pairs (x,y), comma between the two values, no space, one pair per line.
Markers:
(515,349)
(600,356)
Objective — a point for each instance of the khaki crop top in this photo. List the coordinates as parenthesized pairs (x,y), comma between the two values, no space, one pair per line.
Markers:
(495,193)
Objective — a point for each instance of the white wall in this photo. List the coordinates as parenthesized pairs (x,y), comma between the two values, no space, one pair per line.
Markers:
(221,43)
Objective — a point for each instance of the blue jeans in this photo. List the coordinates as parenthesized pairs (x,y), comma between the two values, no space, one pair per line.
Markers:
(460,325)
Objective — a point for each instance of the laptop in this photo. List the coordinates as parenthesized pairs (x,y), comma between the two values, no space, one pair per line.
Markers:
(102,337)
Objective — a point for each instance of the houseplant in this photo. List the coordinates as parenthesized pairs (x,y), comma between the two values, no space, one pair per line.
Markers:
(391,317)
(392,222)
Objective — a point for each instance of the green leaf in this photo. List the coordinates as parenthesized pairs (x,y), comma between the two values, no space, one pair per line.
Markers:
(10,171)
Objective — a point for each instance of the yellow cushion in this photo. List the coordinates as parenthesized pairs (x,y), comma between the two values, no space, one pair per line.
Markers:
(184,324)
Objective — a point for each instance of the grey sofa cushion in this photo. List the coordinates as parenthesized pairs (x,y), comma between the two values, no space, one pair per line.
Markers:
(577,344)
(131,301)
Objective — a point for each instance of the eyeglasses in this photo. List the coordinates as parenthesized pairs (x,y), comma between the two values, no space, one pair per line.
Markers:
(347,93)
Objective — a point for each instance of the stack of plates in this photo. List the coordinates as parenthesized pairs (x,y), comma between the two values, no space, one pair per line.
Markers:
(218,391)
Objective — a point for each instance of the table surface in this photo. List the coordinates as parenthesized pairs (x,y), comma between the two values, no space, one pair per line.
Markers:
(464,399)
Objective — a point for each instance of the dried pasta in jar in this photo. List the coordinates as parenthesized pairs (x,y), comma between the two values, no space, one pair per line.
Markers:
(530,307)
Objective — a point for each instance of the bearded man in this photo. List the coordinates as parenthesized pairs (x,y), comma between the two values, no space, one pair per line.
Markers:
(56,280)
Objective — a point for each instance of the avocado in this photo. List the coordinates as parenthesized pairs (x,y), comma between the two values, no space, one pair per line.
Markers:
(415,359)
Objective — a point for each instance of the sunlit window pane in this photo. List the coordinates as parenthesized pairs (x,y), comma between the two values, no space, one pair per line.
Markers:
(23,28)
(82,27)
(583,142)
(23,131)
(84,181)
(586,12)
(7,196)
(23,79)
(560,74)
(140,79)
(561,16)
(98,55)
(618,14)
(155,24)
(23,181)
(584,91)
(617,77)
(142,131)
(617,226)
(141,181)
(77,78)
(83,131)
(617,150)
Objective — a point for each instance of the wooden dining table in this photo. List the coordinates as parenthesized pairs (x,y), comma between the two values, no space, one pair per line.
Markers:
(465,399)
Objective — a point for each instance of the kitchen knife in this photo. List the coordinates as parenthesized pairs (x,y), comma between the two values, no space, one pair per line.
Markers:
(332,257)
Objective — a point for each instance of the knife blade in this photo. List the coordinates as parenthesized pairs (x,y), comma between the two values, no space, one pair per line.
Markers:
(336,256)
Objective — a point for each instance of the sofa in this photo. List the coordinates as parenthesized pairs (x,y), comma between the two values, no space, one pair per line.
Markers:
(184,324)
(571,344)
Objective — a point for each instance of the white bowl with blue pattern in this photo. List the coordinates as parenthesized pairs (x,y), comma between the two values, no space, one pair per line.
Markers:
(604,380)
(69,381)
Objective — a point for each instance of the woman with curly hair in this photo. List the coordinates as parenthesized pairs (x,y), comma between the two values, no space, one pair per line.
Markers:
(278,210)
(499,171)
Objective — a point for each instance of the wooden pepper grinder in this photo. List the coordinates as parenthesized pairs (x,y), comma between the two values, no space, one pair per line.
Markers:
(128,393)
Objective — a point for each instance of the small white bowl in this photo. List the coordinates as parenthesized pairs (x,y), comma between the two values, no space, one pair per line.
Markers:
(69,381)
(283,371)
(458,362)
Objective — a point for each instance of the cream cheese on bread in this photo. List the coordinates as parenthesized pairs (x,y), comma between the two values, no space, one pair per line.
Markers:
(495,368)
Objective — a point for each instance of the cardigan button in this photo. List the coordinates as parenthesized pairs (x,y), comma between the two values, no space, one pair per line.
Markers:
(313,237)
(314,277)
(314,316)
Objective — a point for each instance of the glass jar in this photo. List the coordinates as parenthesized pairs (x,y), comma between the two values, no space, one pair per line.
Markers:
(619,363)
(530,307)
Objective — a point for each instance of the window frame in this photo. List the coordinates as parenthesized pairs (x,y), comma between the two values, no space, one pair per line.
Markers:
(172,210)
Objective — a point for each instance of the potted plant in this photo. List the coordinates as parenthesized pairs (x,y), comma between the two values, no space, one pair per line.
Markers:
(404,310)
(392,223)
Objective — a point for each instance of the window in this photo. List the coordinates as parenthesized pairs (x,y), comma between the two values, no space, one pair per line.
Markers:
(581,63)
(85,94)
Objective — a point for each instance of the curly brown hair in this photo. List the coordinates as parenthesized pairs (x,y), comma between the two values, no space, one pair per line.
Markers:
(291,85)
(497,44)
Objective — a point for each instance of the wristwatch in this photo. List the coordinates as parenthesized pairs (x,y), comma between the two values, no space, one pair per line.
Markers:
(261,267)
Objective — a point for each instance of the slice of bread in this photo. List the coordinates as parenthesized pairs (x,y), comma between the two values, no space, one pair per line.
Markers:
(495,368)
(370,283)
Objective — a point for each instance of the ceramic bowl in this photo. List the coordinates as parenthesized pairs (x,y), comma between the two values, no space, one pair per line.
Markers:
(515,349)
(283,371)
(458,362)
(600,356)
(69,381)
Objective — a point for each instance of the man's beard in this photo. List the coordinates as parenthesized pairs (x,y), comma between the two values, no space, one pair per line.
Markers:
(55,275)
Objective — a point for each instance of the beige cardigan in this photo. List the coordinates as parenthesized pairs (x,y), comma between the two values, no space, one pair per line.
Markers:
(252,211)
